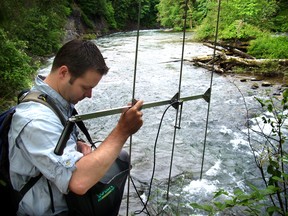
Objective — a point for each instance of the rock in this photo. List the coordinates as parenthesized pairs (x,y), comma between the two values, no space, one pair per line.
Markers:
(266,84)
(255,79)
(255,86)
(70,30)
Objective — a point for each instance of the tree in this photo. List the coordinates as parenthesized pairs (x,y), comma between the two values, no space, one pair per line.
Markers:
(128,10)
(171,13)
(239,19)
(16,68)
(38,23)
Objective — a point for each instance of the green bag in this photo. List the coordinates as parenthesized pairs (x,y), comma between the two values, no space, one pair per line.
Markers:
(104,198)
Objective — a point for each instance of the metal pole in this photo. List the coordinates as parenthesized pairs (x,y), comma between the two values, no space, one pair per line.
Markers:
(113,111)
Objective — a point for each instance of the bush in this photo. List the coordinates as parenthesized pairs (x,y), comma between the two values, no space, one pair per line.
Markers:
(271,47)
(238,19)
(16,69)
(240,30)
(39,23)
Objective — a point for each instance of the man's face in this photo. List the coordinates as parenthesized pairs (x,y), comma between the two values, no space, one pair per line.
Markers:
(82,86)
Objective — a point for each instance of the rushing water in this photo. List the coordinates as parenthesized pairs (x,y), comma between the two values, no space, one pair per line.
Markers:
(228,162)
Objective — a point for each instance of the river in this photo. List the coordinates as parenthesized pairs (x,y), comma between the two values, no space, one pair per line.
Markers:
(228,162)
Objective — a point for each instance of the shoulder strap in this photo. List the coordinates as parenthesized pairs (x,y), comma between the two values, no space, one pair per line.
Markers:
(29,184)
(42,98)
(83,128)
(46,100)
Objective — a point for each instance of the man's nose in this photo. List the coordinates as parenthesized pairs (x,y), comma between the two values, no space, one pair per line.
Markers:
(88,93)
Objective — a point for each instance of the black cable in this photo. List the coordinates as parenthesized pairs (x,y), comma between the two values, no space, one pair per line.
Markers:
(154,165)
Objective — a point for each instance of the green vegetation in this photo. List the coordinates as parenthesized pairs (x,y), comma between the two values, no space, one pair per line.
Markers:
(256,27)
(238,19)
(270,47)
(255,21)
(16,68)
(38,23)
(28,30)
(171,14)
(127,13)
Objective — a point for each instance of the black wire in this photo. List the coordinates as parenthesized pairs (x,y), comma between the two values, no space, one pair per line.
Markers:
(93,146)
(154,165)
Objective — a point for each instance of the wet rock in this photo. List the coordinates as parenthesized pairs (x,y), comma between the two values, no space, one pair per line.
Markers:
(277,93)
(255,86)
(255,79)
(266,84)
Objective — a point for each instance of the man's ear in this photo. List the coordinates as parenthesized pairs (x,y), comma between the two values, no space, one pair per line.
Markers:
(63,72)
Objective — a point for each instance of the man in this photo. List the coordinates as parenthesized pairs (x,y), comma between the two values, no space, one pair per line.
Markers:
(76,70)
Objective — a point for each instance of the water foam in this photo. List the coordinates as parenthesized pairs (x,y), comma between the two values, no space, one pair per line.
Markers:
(202,186)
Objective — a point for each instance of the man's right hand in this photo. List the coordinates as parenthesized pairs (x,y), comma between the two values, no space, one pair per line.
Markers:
(131,119)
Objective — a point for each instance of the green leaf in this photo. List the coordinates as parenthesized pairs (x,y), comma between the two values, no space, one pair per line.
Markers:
(220,192)
(207,208)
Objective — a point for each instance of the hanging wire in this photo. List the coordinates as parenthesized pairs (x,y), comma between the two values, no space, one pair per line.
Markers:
(136,52)
(133,96)
(154,166)
(211,82)
(178,114)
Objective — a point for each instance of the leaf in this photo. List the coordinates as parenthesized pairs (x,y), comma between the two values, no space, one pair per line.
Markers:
(273,209)
(207,208)
(260,101)
(270,107)
(230,203)
(285,93)
(220,192)
(276,178)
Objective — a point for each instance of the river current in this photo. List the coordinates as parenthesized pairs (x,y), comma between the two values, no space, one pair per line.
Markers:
(228,161)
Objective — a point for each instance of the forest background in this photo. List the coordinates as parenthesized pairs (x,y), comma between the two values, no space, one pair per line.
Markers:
(33,30)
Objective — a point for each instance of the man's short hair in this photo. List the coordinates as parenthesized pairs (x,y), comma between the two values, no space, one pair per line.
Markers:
(80,56)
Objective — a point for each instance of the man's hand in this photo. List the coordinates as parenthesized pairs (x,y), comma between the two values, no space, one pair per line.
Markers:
(83,147)
(131,119)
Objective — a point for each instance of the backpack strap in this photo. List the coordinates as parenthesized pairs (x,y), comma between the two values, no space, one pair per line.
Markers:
(43,98)
(29,184)
(46,100)
(83,128)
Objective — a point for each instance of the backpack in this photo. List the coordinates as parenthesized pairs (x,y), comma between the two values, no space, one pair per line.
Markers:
(11,197)
(107,193)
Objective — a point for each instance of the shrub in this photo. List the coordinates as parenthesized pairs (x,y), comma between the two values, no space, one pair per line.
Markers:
(271,47)
(16,69)
(240,30)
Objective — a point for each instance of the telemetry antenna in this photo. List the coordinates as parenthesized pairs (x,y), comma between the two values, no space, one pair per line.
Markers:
(81,117)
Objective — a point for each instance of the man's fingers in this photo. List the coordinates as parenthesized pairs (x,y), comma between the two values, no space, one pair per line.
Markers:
(138,104)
